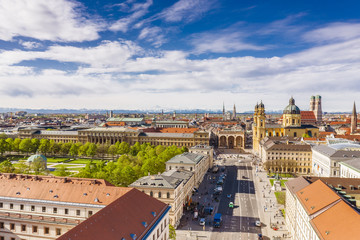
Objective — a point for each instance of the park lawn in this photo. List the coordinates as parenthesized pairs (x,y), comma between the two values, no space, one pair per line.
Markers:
(84,161)
(284,175)
(282,182)
(280,197)
(56,160)
(67,165)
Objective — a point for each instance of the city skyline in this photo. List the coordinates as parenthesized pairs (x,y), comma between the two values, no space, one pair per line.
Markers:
(178,54)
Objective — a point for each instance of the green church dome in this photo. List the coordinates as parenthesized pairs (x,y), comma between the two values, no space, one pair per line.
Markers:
(292,108)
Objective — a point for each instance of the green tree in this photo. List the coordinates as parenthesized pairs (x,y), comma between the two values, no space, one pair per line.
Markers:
(83,149)
(74,149)
(25,146)
(123,148)
(44,146)
(62,171)
(35,143)
(128,176)
(4,146)
(10,142)
(91,150)
(16,145)
(54,147)
(135,149)
(112,151)
(102,149)
(172,232)
(65,148)
(7,167)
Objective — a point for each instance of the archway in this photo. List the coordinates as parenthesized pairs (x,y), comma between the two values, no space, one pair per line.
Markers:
(231,142)
(222,141)
(239,142)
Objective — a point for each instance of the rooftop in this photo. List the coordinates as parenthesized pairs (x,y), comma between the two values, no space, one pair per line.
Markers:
(125,218)
(157,181)
(296,184)
(316,196)
(338,222)
(59,189)
(187,158)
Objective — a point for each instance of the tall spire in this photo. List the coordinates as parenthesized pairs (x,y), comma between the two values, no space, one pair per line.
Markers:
(353,119)
(223,108)
(234,112)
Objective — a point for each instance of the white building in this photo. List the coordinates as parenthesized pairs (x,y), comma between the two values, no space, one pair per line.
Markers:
(350,168)
(320,211)
(46,207)
(326,160)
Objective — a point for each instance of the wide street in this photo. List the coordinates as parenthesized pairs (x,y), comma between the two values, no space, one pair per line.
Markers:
(238,222)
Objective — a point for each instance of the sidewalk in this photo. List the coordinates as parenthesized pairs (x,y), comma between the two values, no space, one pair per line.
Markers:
(269,209)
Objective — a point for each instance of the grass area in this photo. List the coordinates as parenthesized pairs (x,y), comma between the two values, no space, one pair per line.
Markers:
(284,175)
(84,161)
(280,197)
(283,212)
(67,165)
(56,160)
(282,182)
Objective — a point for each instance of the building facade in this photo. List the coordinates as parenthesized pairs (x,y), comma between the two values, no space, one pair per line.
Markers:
(291,125)
(46,207)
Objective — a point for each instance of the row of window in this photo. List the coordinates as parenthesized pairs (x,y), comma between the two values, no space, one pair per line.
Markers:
(280,153)
(34,229)
(289,158)
(43,209)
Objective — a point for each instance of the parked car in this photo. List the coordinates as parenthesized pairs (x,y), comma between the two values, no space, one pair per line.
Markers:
(258,223)
(231,205)
(202,221)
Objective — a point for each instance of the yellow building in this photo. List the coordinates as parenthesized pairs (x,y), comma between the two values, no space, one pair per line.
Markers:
(290,127)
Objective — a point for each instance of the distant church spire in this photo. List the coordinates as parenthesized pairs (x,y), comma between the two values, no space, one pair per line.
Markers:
(353,119)
(234,112)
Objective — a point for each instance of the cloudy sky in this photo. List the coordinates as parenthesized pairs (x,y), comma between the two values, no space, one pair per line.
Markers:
(178,54)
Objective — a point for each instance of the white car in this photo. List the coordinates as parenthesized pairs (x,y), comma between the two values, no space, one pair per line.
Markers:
(202,222)
(258,223)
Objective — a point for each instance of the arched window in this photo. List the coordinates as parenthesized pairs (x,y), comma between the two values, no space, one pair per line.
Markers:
(168,195)
(159,194)
(293,121)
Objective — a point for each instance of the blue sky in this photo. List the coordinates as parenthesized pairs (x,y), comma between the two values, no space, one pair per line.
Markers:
(178,54)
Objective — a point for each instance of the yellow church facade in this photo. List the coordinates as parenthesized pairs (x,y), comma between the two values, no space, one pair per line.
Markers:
(290,127)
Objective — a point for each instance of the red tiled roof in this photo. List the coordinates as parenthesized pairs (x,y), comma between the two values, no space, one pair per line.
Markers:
(316,196)
(307,115)
(60,189)
(338,222)
(178,130)
(121,218)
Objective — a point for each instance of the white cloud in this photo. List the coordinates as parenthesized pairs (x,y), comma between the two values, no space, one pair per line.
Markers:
(120,70)
(186,10)
(153,35)
(222,41)
(30,45)
(334,32)
(137,10)
(54,20)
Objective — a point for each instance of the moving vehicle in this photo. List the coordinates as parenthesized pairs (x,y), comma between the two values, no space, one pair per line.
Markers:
(258,223)
(217,220)
(202,222)
(208,210)
(231,205)
(228,196)
(196,214)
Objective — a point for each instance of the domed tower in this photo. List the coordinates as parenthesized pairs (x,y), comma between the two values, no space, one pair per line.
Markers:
(291,115)
(312,103)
